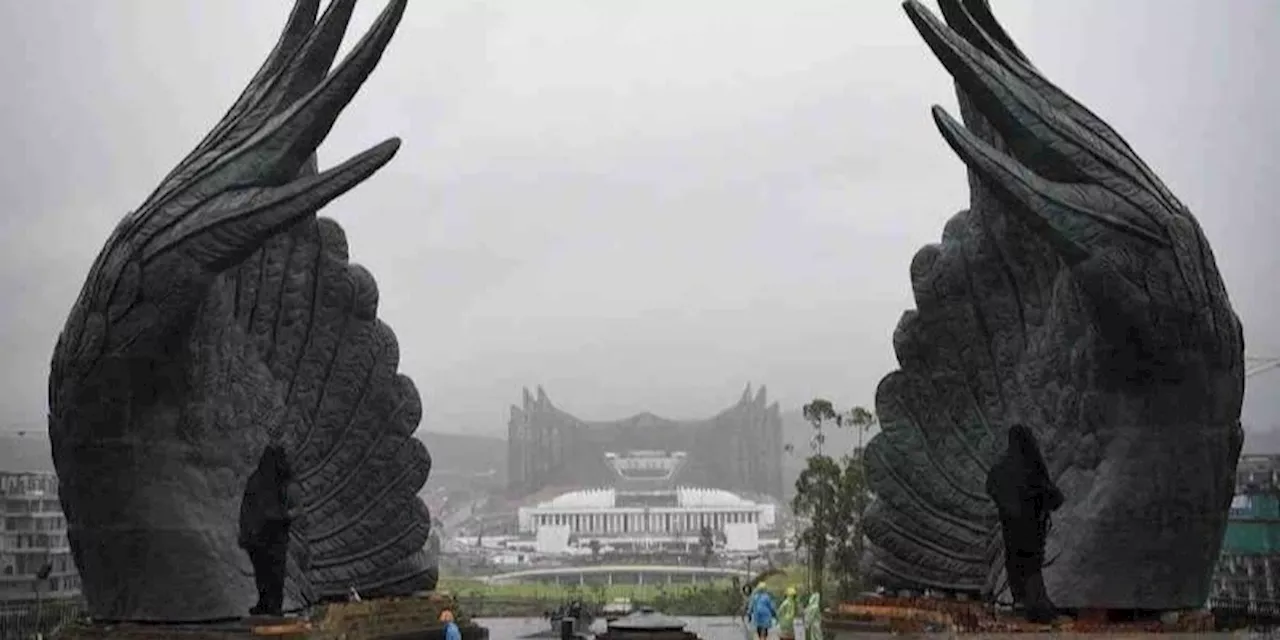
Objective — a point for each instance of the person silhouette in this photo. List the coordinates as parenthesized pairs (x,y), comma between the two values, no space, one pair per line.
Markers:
(1025,496)
(451,630)
(269,508)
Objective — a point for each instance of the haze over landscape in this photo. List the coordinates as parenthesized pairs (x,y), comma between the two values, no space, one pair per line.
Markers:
(641,208)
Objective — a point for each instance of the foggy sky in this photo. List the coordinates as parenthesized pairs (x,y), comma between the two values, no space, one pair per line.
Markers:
(638,205)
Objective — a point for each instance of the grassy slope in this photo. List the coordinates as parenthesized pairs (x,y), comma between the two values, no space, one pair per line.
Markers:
(707,598)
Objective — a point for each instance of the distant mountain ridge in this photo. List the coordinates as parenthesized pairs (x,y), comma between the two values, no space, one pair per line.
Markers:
(457,454)
(25,453)
(462,454)
(1262,441)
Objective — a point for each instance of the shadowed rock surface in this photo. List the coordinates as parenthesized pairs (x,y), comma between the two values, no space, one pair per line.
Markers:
(1078,296)
(221,316)
(1025,498)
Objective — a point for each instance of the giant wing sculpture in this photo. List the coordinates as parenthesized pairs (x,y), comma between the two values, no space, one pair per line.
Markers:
(1076,295)
(220,316)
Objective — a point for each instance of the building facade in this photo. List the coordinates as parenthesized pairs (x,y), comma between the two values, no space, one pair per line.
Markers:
(737,450)
(1248,571)
(676,513)
(646,509)
(33,536)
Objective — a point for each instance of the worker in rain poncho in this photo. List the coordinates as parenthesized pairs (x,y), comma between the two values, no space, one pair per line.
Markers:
(813,618)
(761,611)
(751,601)
(787,615)
(451,630)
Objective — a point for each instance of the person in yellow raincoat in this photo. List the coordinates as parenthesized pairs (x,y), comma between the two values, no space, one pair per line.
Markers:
(813,618)
(787,615)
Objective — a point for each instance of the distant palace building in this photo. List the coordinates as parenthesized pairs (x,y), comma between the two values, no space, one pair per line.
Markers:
(675,512)
(33,533)
(646,510)
(737,450)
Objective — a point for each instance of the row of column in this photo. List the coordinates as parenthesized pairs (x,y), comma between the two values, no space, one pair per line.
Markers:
(645,522)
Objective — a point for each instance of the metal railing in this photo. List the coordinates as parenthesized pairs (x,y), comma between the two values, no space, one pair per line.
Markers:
(1257,605)
(26,620)
(1239,613)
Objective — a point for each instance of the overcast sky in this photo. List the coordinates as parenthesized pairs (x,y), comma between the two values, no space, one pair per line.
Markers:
(638,205)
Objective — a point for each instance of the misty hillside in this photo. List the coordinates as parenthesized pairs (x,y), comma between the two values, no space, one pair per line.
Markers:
(457,457)
(25,453)
(798,433)
(1262,441)
(450,453)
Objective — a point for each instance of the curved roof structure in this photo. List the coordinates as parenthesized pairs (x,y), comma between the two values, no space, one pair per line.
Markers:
(687,497)
(584,499)
(681,570)
(697,497)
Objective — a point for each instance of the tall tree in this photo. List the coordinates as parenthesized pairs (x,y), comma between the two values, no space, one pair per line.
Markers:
(831,496)
(819,413)
(863,420)
(855,497)
(814,505)
(815,498)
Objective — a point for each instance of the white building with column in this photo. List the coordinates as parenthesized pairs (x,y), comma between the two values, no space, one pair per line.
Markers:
(667,517)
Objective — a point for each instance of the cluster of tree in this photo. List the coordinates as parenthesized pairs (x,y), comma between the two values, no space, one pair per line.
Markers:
(831,495)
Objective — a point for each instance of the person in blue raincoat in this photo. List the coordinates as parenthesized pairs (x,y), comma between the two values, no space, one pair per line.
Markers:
(763,612)
(751,599)
(451,631)
(751,603)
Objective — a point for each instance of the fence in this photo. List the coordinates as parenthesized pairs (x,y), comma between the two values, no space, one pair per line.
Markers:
(25,620)
(1244,613)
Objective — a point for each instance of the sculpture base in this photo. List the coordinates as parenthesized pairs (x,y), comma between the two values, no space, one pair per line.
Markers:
(922,615)
(380,619)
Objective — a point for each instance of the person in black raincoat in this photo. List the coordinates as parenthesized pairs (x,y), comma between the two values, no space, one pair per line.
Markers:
(1025,496)
(268,511)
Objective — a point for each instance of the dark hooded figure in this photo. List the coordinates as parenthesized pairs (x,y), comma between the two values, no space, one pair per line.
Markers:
(269,507)
(1025,495)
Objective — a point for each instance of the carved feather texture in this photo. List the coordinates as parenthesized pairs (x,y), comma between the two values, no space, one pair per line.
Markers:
(222,315)
(349,415)
(1076,295)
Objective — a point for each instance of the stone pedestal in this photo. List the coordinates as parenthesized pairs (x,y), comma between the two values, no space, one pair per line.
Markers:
(381,619)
